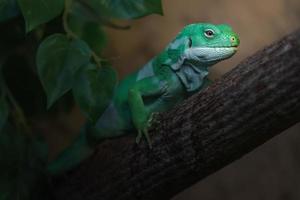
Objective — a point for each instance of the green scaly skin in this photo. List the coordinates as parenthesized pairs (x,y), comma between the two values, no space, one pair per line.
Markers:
(179,71)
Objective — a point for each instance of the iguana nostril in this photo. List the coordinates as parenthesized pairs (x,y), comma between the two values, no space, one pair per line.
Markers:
(232,39)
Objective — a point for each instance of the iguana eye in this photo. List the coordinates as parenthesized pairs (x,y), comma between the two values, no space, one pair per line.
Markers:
(209,33)
(190,43)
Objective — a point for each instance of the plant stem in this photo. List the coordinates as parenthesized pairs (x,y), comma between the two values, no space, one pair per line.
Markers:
(19,115)
(69,32)
(73,35)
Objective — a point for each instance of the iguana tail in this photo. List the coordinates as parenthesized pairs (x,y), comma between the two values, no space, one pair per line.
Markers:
(91,134)
(79,150)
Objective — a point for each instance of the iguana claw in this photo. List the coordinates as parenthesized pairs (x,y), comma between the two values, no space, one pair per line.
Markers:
(140,135)
(144,131)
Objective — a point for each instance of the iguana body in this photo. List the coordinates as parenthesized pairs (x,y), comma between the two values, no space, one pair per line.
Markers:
(170,77)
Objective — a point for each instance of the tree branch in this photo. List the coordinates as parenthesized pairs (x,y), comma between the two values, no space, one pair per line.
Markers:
(254,102)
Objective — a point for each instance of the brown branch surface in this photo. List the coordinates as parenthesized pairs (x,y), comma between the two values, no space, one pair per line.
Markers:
(254,102)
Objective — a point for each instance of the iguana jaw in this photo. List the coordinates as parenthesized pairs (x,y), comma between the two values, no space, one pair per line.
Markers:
(209,54)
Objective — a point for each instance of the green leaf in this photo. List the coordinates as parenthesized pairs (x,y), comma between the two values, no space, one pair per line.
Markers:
(4,110)
(88,31)
(94,89)
(126,9)
(8,9)
(58,60)
(37,12)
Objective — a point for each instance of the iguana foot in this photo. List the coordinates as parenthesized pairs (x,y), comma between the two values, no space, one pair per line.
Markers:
(152,118)
(144,131)
(140,135)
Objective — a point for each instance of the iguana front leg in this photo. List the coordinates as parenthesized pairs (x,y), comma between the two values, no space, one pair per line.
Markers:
(148,87)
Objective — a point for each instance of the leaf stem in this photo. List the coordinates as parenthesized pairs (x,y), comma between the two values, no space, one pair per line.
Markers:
(68,30)
(73,35)
(19,115)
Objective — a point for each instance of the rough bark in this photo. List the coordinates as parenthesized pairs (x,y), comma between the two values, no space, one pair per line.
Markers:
(254,102)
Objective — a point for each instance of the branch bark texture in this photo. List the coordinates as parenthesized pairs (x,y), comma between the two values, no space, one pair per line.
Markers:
(254,102)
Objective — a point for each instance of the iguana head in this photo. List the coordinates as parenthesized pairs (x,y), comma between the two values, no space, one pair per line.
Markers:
(203,43)
(197,47)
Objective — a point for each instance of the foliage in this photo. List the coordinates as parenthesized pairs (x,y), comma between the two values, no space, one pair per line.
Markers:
(8,9)
(125,9)
(52,46)
(58,60)
(38,12)
(94,89)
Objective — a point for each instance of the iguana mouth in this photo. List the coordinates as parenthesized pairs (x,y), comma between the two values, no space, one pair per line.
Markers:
(209,54)
(235,48)
(222,47)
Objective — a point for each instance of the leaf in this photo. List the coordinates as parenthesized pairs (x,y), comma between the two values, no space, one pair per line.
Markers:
(58,60)
(85,11)
(126,9)
(4,110)
(88,31)
(94,89)
(8,9)
(37,12)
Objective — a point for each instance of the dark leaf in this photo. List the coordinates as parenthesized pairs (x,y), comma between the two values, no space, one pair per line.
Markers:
(8,9)
(94,89)
(58,60)
(126,9)
(37,12)
(88,31)
(93,12)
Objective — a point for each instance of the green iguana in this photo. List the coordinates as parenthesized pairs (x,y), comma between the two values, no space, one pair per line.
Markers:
(176,73)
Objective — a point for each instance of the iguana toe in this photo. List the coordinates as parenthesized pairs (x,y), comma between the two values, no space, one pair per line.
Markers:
(141,133)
